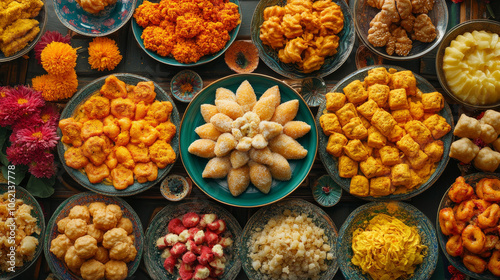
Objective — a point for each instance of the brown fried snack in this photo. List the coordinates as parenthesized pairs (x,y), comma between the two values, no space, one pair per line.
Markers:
(423,29)
(379,34)
(403,43)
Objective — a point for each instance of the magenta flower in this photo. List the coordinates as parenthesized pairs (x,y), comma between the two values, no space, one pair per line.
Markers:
(16,154)
(47,38)
(19,102)
(35,138)
(43,169)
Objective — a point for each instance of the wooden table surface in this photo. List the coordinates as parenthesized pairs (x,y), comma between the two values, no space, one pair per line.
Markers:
(22,70)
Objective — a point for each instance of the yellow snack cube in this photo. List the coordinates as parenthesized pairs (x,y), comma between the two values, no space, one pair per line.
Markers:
(330,124)
(390,155)
(415,180)
(433,102)
(377,76)
(418,161)
(360,186)
(355,92)
(348,168)
(372,167)
(416,109)
(437,125)
(396,134)
(381,186)
(434,150)
(368,108)
(346,113)
(375,138)
(334,101)
(355,129)
(384,121)
(400,175)
(408,146)
(379,94)
(405,80)
(418,131)
(401,116)
(335,144)
(356,150)
(397,99)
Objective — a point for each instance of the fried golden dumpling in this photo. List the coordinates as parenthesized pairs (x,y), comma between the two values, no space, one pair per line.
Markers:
(225,144)
(217,167)
(207,131)
(280,168)
(270,129)
(229,108)
(222,122)
(264,108)
(238,158)
(224,94)
(263,156)
(238,180)
(274,92)
(208,111)
(287,147)
(245,96)
(203,148)
(296,129)
(286,112)
(260,176)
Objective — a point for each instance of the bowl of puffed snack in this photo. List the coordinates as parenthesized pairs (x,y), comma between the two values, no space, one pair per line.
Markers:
(303,38)
(254,143)
(22,24)
(401,29)
(292,237)
(387,240)
(119,135)
(386,133)
(185,32)
(92,236)
(22,229)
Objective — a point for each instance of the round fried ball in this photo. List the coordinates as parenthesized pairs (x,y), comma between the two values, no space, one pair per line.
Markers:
(116,270)
(75,228)
(125,224)
(131,239)
(92,270)
(131,255)
(95,232)
(86,246)
(59,245)
(61,225)
(105,220)
(113,236)
(95,206)
(102,254)
(73,261)
(120,251)
(116,210)
(80,212)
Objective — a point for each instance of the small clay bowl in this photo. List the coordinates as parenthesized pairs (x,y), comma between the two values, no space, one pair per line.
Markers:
(175,187)
(326,192)
(242,57)
(185,85)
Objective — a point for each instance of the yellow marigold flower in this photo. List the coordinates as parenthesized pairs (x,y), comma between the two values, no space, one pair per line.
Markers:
(58,58)
(56,87)
(103,54)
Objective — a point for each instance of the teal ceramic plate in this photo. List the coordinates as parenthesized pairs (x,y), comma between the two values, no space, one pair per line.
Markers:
(79,98)
(471,179)
(107,21)
(36,212)
(217,188)
(331,163)
(326,192)
(291,70)
(169,60)
(258,221)
(56,265)
(408,214)
(158,228)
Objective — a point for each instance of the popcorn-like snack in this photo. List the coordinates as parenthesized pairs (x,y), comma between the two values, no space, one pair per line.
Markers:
(487,159)
(464,150)
(467,127)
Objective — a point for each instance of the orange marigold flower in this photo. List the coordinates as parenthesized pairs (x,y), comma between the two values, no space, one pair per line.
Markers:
(56,87)
(213,38)
(188,25)
(148,13)
(104,54)
(186,51)
(58,58)
(229,16)
(158,39)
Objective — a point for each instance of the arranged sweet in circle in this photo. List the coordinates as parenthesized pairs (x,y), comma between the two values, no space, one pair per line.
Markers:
(471,69)
(249,140)
(399,22)
(304,32)
(194,247)
(94,6)
(120,134)
(385,132)
(95,241)
(471,223)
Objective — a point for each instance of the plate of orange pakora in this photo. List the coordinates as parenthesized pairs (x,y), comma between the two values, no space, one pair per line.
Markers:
(385,133)
(119,135)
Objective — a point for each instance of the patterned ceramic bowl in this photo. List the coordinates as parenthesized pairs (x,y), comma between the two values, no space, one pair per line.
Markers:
(408,214)
(185,85)
(56,265)
(158,228)
(107,21)
(326,192)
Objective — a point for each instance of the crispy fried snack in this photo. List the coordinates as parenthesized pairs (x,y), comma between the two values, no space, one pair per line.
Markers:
(424,30)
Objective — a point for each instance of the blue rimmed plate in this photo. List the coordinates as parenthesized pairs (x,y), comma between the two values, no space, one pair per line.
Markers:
(217,188)
(331,163)
(107,21)
(56,265)
(79,98)
(409,215)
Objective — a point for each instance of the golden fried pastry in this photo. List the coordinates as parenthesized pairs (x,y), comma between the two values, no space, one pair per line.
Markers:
(359,186)
(95,232)
(398,99)
(379,93)
(418,131)
(218,167)
(271,32)
(335,144)
(389,155)
(237,159)
(113,237)
(379,34)
(401,116)
(270,130)
(162,153)
(96,173)
(405,80)
(92,270)
(71,130)
(260,176)
(346,113)
(419,160)
(416,109)
(113,88)
(104,219)
(334,101)
(400,175)
(207,131)
(438,126)
(142,132)
(159,111)
(487,159)
(330,123)
(348,168)
(145,172)
(292,52)
(72,260)
(238,180)
(101,255)
(222,122)
(421,6)
(122,177)
(423,29)
(61,224)
(123,108)
(296,129)
(96,206)
(124,157)
(116,270)
(97,107)
(396,134)
(59,245)
(355,129)
(408,146)
(280,168)
(264,108)
(120,251)
(139,154)
(79,212)
(434,150)
(229,108)
(432,102)
(381,186)
(383,121)
(94,149)
(355,92)
(85,246)
(375,138)
(226,94)
(356,150)
(75,228)
(74,158)
(125,224)
(208,111)
(287,147)
(367,109)
(263,156)
(144,92)
(273,92)
(285,112)
(225,144)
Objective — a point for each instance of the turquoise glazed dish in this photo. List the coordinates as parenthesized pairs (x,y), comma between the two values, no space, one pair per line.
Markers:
(409,215)
(158,228)
(79,98)
(331,163)
(169,60)
(259,220)
(56,265)
(185,85)
(107,21)
(457,262)
(326,192)
(291,70)
(217,188)
(36,212)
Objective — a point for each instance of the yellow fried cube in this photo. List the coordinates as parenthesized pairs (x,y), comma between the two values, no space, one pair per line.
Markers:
(408,146)
(416,109)
(381,186)
(425,171)
(437,125)
(396,134)
(356,150)
(415,180)
(355,92)
(368,108)
(379,94)
(401,116)
(372,167)
(397,99)
(400,175)
(377,76)
(334,101)
(330,124)
(346,113)
(418,161)
(375,138)
(433,102)
(348,168)
(434,150)
(360,186)
(383,121)
(335,144)
(355,129)
(366,123)
(390,155)
(418,131)
(405,80)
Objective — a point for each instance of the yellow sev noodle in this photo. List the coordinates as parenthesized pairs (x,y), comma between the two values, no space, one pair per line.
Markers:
(387,248)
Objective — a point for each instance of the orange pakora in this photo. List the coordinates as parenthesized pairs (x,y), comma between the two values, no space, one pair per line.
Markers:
(97,107)
(162,153)
(144,91)
(96,173)
(167,131)
(94,150)
(71,130)
(122,177)
(114,88)
(91,128)
(146,172)
(123,108)
(74,158)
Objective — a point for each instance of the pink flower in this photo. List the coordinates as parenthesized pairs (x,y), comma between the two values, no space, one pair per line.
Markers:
(43,169)
(35,138)
(16,154)
(50,115)
(47,38)
(19,102)
(457,1)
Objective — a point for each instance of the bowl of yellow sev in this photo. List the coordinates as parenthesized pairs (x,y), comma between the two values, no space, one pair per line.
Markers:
(387,240)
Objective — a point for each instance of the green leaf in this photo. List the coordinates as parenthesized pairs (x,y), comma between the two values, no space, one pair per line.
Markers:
(4,135)
(16,176)
(41,187)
